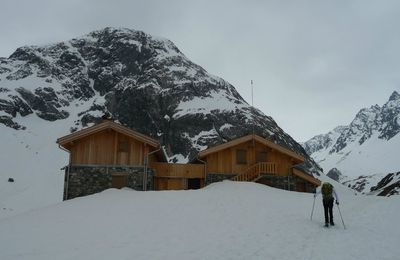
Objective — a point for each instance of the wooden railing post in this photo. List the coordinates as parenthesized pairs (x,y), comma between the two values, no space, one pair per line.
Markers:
(254,171)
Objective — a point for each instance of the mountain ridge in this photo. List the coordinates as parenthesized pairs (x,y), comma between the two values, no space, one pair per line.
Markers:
(118,67)
(145,83)
(365,147)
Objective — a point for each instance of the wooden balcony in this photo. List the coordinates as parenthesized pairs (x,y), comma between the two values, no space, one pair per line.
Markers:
(256,171)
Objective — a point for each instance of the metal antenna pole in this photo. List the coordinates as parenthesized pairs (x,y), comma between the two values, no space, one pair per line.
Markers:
(252,93)
(252,109)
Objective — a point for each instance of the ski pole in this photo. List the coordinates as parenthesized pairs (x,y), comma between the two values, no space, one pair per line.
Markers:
(312,211)
(341,216)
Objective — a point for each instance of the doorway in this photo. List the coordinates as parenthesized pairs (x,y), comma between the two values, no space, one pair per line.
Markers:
(193,183)
(119,180)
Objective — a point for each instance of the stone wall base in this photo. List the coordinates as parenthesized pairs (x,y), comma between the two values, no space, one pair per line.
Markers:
(216,177)
(86,180)
(292,183)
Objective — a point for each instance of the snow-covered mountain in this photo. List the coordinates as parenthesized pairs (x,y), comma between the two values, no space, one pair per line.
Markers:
(376,184)
(368,146)
(144,82)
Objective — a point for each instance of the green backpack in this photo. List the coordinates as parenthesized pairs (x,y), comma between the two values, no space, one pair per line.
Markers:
(326,190)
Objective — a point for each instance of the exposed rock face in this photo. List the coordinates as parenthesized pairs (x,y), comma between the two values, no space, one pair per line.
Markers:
(377,184)
(143,81)
(334,174)
(324,141)
(389,185)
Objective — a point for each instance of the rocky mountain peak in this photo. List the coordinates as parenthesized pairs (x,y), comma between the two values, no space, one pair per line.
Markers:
(395,96)
(144,82)
(334,174)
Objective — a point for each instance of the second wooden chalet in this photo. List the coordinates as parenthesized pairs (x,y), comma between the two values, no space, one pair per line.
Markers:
(254,158)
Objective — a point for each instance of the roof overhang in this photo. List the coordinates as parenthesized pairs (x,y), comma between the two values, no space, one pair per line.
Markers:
(107,124)
(306,177)
(250,137)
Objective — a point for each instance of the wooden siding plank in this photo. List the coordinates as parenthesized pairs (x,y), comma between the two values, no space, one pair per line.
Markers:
(178,170)
(102,148)
(115,149)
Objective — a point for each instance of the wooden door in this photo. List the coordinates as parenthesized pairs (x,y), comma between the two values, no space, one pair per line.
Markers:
(119,180)
(161,184)
(176,184)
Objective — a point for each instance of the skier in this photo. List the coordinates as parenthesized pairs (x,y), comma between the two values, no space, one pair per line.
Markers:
(328,192)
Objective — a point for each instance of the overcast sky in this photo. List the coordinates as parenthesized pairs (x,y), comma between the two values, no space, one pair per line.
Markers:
(314,64)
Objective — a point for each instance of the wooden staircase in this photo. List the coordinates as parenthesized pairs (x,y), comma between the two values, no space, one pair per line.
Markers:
(256,171)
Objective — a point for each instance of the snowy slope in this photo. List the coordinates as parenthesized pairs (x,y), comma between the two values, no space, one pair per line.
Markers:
(368,146)
(33,160)
(373,156)
(223,221)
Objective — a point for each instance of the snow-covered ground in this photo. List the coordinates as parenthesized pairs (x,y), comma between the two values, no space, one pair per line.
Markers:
(34,163)
(373,157)
(228,220)
(33,159)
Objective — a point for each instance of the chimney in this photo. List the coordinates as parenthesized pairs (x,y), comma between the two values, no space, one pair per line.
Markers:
(107,117)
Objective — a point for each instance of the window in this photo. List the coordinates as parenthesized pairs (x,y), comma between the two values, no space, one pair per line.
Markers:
(261,156)
(241,156)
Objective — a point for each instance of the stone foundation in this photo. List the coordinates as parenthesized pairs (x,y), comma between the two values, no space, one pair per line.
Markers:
(85,180)
(292,183)
(216,177)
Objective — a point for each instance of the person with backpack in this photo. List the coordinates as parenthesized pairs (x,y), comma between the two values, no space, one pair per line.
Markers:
(328,192)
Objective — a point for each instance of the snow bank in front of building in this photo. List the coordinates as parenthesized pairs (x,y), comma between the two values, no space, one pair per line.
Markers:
(227,220)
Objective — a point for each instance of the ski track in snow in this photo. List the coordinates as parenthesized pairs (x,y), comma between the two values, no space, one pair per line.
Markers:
(226,220)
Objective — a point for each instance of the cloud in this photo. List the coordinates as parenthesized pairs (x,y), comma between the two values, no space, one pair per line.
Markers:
(314,63)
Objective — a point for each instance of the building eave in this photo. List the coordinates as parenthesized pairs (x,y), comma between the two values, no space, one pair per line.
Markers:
(107,124)
(247,138)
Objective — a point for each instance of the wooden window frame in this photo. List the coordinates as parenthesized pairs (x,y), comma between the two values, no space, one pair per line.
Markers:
(241,156)
(258,155)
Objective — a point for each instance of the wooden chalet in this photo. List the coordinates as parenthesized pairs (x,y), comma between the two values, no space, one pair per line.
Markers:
(109,155)
(253,158)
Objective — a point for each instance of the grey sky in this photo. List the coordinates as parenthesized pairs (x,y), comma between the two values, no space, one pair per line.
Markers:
(314,63)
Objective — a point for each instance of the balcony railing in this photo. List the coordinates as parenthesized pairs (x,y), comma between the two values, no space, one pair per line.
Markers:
(256,171)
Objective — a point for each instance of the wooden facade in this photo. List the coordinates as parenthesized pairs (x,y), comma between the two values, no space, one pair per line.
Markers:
(110,148)
(225,158)
(174,176)
(251,158)
(109,143)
